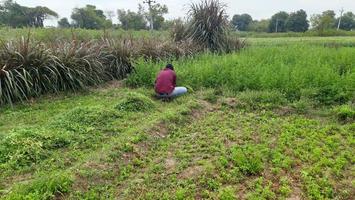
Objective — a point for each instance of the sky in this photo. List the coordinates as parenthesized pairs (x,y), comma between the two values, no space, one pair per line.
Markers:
(258,9)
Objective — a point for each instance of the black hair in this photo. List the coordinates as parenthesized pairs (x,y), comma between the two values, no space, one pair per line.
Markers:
(169,66)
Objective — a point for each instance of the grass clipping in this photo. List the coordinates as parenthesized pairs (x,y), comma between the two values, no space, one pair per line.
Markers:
(135,102)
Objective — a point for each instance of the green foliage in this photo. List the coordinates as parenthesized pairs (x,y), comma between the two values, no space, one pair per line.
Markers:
(256,99)
(135,102)
(259,26)
(261,190)
(48,186)
(297,21)
(278,22)
(22,148)
(324,21)
(347,21)
(227,193)
(277,71)
(248,159)
(158,11)
(64,23)
(132,20)
(345,113)
(84,119)
(32,69)
(329,94)
(241,22)
(14,15)
(90,18)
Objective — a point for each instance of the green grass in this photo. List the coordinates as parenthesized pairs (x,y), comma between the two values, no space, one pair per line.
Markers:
(236,146)
(323,74)
(272,122)
(54,34)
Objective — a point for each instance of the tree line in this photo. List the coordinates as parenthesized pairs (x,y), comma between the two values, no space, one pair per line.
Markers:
(14,15)
(295,22)
(90,17)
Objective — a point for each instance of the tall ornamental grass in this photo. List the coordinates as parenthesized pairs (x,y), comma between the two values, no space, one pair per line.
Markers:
(30,68)
(208,28)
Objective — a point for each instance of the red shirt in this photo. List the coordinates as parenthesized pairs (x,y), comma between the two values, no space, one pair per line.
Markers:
(165,82)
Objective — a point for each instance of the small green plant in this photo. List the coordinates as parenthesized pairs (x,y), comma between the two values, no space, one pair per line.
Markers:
(247,159)
(227,193)
(345,113)
(302,106)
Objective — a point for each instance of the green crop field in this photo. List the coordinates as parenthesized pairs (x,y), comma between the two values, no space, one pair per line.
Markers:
(272,121)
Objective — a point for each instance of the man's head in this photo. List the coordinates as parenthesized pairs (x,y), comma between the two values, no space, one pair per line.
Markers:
(169,66)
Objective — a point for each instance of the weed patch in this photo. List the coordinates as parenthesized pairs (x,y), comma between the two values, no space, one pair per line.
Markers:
(51,186)
(345,113)
(135,102)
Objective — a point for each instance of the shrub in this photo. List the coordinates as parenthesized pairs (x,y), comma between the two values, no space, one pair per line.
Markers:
(178,32)
(345,113)
(302,106)
(135,102)
(329,94)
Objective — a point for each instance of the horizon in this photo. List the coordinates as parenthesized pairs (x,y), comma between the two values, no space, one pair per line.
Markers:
(264,10)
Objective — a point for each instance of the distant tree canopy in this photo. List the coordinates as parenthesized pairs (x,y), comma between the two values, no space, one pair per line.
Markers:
(139,20)
(278,22)
(90,18)
(347,21)
(241,22)
(297,21)
(64,23)
(132,20)
(14,15)
(324,21)
(158,11)
(259,25)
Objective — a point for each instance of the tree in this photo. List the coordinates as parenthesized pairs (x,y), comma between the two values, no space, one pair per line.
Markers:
(158,12)
(38,14)
(324,21)
(64,23)
(278,22)
(90,18)
(14,15)
(260,26)
(241,22)
(110,14)
(297,21)
(132,20)
(347,21)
